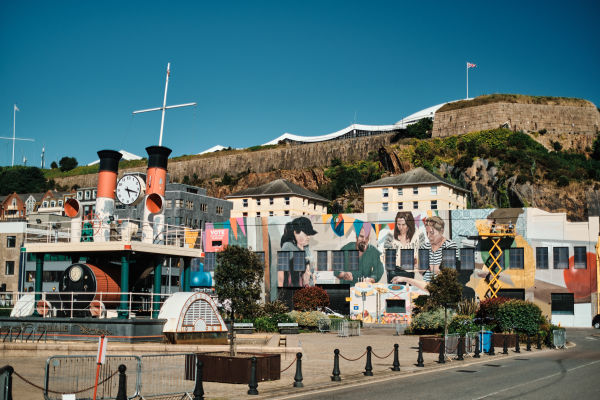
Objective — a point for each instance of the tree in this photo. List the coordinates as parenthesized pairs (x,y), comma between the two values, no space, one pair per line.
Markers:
(22,180)
(238,277)
(54,165)
(310,298)
(444,291)
(67,163)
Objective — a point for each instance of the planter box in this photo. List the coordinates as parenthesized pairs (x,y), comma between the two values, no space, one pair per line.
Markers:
(498,339)
(219,367)
(431,344)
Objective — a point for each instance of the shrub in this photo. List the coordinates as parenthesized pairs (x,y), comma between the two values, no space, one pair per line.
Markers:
(488,309)
(276,307)
(308,319)
(310,298)
(467,307)
(562,181)
(269,323)
(520,316)
(462,324)
(428,322)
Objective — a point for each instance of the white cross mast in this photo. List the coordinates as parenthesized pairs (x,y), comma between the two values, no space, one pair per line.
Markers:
(164,106)
(14,138)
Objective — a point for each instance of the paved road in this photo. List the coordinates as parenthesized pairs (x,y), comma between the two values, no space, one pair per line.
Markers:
(559,374)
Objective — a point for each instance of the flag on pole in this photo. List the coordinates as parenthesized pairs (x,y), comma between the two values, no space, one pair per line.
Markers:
(470,65)
(17,108)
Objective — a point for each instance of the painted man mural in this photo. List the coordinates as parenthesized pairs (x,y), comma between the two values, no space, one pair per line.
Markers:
(370,268)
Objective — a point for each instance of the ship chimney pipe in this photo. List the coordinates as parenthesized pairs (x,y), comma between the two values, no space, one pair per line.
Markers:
(156,182)
(73,211)
(105,195)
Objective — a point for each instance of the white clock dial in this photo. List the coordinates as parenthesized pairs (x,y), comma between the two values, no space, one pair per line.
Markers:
(75,273)
(129,189)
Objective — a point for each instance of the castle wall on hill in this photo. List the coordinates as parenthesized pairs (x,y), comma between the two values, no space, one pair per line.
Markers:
(288,157)
(524,117)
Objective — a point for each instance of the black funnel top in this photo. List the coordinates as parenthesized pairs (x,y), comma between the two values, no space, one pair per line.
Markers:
(109,160)
(158,156)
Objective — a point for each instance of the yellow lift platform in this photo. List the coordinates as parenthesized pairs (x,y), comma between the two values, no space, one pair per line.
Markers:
(488,229)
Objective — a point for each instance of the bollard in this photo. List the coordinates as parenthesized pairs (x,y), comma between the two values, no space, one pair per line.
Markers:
(396,364)
(492,351)
(298,377)
(539,341)
(420,356)
(528,348)
(460,349)
(517,348)
(477,351)
(368,366)
(122,392)
(336,366)
(7,389)
(253,385)
(442,352)
(198,389)
(505,345)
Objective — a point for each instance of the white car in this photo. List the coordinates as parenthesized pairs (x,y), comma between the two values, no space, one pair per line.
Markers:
(328,311)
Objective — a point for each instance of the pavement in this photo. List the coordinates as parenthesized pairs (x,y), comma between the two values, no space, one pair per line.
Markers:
(29,360)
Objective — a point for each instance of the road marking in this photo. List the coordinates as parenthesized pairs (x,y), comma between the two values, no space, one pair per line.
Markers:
(536,380)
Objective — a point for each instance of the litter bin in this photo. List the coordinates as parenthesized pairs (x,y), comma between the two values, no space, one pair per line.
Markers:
(559,338)
(485,341)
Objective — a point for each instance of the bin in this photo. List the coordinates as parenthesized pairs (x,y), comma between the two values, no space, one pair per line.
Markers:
(559,338)
(485,341)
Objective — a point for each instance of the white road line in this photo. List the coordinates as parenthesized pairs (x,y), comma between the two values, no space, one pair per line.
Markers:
(536,380)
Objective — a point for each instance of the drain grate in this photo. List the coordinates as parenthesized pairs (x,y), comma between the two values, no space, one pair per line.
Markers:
(522,359)
(492,365)
(468,371)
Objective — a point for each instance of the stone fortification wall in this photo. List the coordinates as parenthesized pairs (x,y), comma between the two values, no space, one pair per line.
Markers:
(559,119)
(291,157)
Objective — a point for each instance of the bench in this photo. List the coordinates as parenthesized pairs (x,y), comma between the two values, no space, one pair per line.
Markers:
(290,328)
(243,327)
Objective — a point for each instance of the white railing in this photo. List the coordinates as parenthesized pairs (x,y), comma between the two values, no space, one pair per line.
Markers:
(119,230)
(82,304)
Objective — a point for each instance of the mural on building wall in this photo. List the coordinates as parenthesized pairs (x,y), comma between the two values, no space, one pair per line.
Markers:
(387,259)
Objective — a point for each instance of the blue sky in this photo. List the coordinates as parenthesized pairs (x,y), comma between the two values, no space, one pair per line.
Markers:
(257,69)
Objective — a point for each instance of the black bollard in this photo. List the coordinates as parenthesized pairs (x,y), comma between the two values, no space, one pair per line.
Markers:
(7,384)
(505,345)
(517,347)
(122,392)
(442,352)
(253,384)
(477,351)
(528,348)
(492,351)
(298,378)
(368,366)
(336,366)
(198,389)
(539,341)
(396,364)
(420,356)
(460,349)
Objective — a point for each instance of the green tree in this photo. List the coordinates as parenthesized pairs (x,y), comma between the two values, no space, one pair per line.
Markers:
(421,129)
(54,165)
(445,291)
(67,163)
(22,179)
(238,277)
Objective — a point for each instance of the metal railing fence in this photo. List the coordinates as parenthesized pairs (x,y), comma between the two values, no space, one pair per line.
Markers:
(165,374)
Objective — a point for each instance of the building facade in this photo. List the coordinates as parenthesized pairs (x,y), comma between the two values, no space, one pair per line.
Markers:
(417,189)
(12,235)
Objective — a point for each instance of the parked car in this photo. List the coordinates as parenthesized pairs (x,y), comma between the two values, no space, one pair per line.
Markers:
(328,311)
(596,321)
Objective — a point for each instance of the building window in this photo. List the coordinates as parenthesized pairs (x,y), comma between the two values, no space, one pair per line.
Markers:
(449,258)
(261,257)
(434,190)
(87,194)
(299,261)
(352,260)
(10,268)
(563,303)
(541,257)
(189,204)
(467,259)
(384,206)
(258,202)
(203,207)
(434,204)
(168,204)
(407,259)
(11,241)
(399,191)
(286,212)
(79,195)
(423,259)
(400,205)
(321,260)
(415,205)
(416,190)
(518,294)
(210,261)
(244,214)
(178,203)
(94,194)
(338,260)
(60,203)
(271,213)
(500,258)
(580,257)
(271,201)
(390,259)
(385,192)
(287,200)
(516,258)
(219,210)
(561,258)
(45,204)
(258,213)
(283,260)
(395,306)
(244,202)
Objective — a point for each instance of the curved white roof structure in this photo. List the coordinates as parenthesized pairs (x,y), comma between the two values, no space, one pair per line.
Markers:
(126,156)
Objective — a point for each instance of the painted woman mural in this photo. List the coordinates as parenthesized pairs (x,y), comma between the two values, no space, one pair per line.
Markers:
(405,237)
(295,238)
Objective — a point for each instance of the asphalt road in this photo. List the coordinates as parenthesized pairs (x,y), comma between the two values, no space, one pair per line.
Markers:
(557,374)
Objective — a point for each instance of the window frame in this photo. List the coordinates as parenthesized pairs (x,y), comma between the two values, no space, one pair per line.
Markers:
(539,255)
(516,258)
(579,259)
(559,260)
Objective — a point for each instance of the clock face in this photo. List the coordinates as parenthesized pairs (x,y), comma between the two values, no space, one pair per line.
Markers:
(75,273)
(129,189)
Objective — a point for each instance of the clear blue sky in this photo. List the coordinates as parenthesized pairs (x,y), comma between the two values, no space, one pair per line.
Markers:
(257,69)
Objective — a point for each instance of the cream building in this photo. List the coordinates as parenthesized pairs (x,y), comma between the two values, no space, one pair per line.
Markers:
(279,197)
(417,189)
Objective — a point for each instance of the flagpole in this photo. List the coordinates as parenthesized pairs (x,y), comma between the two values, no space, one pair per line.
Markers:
(467,80)
(14,124)
(162,121)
